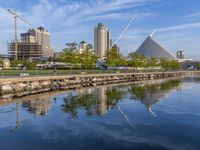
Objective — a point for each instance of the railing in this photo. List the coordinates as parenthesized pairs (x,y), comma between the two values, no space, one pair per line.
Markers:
(15,73)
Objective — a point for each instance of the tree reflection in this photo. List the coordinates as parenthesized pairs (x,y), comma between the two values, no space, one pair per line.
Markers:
(96,102)
(152,93)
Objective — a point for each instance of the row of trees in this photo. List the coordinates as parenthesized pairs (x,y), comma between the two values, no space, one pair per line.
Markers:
(139,61)
(25,63)
(87,59)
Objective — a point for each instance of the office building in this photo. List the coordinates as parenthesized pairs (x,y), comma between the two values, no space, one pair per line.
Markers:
(102,41)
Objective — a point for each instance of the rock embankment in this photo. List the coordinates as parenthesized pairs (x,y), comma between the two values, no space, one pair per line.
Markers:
(21,86)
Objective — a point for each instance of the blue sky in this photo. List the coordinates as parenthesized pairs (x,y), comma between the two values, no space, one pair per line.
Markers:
(73,20)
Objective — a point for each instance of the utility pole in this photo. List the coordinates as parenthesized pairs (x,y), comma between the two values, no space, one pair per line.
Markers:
(14,13)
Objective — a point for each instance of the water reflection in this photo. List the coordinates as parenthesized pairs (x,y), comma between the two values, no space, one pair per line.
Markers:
(98,101)
(39,106)
(94,101)
(105,117)
(151,94)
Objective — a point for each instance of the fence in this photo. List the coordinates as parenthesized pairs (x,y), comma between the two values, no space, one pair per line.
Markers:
(14,73)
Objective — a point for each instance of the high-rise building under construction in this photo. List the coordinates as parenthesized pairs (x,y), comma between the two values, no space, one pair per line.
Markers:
(34,44)
(40,36)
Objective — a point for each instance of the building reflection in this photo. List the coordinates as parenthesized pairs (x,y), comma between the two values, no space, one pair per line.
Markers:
(95,101)
(39,106)
(99,100)
(151,94)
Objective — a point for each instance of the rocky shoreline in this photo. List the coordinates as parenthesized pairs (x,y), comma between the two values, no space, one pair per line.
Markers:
(22,86)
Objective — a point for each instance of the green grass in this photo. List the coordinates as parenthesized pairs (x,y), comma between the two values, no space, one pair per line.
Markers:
(67,72)
(58,72)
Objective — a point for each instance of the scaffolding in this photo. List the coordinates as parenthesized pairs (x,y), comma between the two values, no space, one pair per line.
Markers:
(25,51)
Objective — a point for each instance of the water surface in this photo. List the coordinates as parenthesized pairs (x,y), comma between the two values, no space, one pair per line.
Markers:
(161,115)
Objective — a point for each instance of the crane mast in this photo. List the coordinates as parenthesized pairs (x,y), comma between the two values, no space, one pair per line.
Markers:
(14,13)
(16,44)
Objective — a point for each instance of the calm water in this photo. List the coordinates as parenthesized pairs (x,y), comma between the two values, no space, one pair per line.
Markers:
(163,115)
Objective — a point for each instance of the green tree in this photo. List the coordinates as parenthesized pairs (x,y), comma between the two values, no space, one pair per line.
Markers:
(175,65)
(29,65)
(1,61)
(87,58)
(15,63)
(137,60)
(72,46)
(25,63)
(113,58)
(69,54)
(198,66)
(153,62)
(169,64)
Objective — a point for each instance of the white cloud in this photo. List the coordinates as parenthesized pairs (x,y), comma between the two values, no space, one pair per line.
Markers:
(193,15)
(68,16)
(180,27)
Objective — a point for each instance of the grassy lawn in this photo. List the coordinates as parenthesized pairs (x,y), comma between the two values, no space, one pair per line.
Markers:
(58,72)
(63,72)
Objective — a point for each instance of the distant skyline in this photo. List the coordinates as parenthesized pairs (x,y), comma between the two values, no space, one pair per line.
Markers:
(74,20)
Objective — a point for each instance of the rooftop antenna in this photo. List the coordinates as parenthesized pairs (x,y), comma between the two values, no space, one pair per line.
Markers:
(154,32)
(130,22)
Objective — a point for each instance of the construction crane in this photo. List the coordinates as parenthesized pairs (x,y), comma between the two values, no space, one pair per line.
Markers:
(14,13)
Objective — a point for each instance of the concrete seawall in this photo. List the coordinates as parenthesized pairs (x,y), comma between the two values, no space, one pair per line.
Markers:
(21,86)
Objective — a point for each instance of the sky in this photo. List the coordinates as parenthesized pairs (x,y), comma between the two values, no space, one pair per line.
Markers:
(178,22)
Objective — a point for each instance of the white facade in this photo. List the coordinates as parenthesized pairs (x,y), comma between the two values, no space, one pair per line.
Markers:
(42,37)
(82,47)
(102,41)
(180,55)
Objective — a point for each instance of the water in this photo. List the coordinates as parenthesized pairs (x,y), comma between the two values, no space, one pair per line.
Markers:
(163,115)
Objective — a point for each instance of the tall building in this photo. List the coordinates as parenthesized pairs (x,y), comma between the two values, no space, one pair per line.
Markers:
(180,54)
(102,41)
(40,36)
(83,47)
